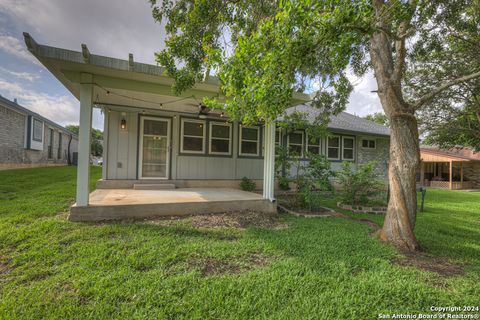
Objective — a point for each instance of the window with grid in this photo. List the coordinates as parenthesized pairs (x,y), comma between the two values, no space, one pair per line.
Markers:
(220,138)
(368,144)
(37,130)
(333,148)
(249,141)
(193,136)
(348,148)
(295,143)
(314,145)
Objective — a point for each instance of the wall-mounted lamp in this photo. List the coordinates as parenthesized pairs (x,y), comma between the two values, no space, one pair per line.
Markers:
(123,122)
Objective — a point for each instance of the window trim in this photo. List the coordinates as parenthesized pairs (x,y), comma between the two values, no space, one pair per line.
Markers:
(229,139)
(33,130)
(352,148)
(302,155)
(339,147)
(204,136)
(240,140)
(320,143)
(368,147)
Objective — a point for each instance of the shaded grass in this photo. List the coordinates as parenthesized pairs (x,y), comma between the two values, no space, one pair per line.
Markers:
(325,268)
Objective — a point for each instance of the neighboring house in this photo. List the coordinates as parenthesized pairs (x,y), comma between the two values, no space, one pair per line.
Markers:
(154,140)
(457,168)
(29,140)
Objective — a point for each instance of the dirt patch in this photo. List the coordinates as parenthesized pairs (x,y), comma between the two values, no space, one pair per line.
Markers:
(441,266)
(239,220)
(234,265)
(5,267)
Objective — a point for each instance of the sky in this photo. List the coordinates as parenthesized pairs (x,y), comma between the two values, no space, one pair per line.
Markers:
(108,27)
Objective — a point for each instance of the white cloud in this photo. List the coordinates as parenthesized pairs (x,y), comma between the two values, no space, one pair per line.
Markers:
(31,77)
(61,109)
(108,27)
(13,46)
(362,100)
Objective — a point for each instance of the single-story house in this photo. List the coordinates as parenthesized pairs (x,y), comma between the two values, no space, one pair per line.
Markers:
(29,140)
(455,169)
(166,154)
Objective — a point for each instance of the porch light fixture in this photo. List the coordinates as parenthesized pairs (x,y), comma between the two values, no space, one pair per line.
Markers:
(123,124)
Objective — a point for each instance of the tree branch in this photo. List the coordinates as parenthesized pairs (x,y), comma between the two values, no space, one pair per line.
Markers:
(429,96)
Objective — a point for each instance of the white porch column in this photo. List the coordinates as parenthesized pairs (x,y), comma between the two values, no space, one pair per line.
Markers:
(84,134)
(269,162)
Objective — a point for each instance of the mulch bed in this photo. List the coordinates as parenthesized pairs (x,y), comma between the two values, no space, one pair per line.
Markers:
(240,220)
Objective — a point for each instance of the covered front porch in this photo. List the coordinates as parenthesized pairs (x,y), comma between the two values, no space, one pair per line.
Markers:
(143,120)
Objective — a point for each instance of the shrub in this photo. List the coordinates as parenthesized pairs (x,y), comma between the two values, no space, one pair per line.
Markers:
(247,184)
(284,183)
(361,185)
(313,176)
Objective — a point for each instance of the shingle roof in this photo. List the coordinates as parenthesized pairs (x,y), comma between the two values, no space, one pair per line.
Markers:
(15,106)
(344,121)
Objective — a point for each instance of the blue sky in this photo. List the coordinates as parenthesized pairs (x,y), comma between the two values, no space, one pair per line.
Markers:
(109,27)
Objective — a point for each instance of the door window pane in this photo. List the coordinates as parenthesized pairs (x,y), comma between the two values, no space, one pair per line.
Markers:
(155,127)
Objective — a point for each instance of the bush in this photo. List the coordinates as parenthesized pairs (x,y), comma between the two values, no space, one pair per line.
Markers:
(247,184)
(360,186)
(313,176)
(284,183)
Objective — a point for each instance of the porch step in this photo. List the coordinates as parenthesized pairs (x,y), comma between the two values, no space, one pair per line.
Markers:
(156,186)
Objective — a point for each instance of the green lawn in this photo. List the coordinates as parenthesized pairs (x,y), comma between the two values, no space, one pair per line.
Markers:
(327,268)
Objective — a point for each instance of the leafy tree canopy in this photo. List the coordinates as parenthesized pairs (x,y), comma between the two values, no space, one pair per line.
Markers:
(378,117)
(96,146)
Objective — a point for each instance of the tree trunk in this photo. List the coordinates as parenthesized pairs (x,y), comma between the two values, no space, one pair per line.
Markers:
(402,205)
(404,145)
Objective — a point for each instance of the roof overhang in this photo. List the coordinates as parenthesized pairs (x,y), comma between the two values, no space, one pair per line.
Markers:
(125,83)
(436,156)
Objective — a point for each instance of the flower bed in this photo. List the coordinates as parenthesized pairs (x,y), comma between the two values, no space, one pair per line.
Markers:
(362,209)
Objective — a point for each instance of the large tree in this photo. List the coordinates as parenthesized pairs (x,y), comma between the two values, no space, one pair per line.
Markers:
(264,51)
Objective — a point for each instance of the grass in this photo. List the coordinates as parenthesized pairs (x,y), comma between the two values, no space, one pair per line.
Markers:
(325,268)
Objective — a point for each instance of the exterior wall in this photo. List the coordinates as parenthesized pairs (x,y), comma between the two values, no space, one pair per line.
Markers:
(380,154)
(13,136)
(362,155)
(122,153)
(122,146)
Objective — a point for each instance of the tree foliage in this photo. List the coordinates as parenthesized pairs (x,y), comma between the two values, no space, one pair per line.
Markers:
(96,147)
(265,51)
(378,117)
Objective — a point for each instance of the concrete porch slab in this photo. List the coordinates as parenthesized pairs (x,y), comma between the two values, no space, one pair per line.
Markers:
(115,204)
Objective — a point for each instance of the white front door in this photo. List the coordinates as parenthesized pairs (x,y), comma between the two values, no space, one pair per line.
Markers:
(154,157)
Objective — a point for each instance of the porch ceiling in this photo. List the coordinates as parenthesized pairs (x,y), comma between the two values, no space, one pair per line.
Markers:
(124,82)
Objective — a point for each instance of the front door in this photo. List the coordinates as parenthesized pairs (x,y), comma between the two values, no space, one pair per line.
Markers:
(154,157)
